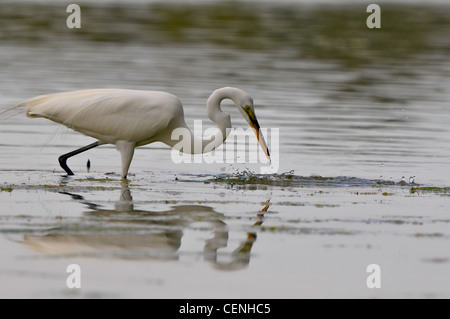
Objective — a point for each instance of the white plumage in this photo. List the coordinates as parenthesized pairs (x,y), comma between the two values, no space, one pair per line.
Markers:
(110,115)
(132,118)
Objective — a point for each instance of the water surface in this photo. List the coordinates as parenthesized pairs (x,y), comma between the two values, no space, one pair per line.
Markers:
(359,113)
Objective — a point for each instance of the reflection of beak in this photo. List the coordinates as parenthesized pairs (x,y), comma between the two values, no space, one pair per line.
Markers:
(255,126)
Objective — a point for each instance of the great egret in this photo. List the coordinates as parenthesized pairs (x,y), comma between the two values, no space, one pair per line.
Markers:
(132,118)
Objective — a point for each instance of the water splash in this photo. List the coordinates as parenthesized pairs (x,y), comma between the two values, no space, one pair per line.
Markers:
(290,179)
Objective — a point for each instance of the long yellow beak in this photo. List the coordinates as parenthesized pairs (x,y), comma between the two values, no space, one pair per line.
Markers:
(255,126)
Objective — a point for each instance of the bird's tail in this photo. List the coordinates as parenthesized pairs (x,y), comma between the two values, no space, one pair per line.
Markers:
(25,106)
(21,107)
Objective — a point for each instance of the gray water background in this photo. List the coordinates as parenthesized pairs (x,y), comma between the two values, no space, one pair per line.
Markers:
(358,110)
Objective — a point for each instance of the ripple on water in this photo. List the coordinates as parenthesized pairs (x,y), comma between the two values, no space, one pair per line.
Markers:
(290,179)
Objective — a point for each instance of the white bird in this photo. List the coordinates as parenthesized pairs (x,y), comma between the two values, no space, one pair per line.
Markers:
(132,118)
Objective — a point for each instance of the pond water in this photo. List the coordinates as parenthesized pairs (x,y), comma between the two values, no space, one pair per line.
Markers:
(363,153)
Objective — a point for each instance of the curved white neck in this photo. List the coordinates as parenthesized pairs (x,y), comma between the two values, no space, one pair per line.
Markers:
(204,144)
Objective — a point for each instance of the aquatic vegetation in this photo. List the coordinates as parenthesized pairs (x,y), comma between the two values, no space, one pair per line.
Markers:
(431,235)
(290,179)
(366,193)
(58,187)
(433,189)
(100,180)
(7,188)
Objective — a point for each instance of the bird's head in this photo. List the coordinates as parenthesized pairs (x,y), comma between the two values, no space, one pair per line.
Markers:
(244,104)
(247,110)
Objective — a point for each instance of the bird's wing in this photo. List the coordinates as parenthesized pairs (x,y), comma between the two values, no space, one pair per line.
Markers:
(109,114)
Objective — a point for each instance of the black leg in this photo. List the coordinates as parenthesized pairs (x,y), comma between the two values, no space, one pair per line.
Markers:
(63,158)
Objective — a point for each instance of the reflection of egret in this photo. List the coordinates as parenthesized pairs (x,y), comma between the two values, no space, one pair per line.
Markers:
(240,257)
(126,232)
(131,118)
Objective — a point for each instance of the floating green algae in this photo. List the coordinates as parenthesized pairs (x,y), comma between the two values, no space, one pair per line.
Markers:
(432,189)
(7,188)
(290,179)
